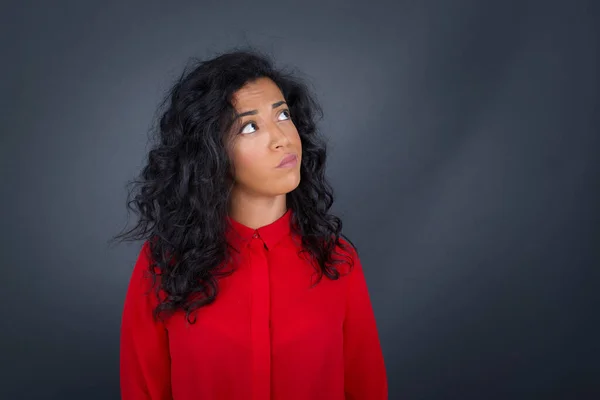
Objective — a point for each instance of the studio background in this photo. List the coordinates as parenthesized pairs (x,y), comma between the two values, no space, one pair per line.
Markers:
(463,150)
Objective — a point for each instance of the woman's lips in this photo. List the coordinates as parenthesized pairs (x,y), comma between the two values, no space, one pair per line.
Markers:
(288,161)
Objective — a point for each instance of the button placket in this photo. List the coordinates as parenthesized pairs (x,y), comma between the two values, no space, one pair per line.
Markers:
(260,321)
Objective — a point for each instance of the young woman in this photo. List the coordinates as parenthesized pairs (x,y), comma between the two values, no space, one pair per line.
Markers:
(245,287)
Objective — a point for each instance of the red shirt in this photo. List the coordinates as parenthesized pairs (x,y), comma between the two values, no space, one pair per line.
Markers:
(268,335)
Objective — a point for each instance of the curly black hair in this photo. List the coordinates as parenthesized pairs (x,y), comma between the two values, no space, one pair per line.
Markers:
(181,195)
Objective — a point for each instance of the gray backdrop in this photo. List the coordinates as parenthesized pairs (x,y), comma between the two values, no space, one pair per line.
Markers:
(464,153)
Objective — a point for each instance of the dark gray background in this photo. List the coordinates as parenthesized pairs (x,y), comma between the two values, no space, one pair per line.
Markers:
(464,153)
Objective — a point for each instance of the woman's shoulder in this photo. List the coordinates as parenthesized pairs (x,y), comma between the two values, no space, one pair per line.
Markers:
(347,246)
(145,276)
(145,259)
(346,255)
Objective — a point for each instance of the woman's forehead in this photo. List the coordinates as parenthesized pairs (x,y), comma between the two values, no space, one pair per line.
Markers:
(259,90)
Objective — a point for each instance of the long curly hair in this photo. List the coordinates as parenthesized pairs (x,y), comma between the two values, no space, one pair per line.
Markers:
(182,194)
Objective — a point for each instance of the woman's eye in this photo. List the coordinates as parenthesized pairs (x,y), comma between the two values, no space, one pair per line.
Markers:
(245,128)
(285,112)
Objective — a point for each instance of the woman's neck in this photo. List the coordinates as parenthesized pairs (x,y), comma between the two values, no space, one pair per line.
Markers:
(254,211)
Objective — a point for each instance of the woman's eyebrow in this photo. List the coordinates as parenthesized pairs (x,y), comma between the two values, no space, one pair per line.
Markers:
(253,112)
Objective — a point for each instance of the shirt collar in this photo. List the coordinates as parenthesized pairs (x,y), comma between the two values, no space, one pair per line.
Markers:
(239,235)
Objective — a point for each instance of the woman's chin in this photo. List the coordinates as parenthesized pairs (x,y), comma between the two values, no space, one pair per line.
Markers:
(287,187)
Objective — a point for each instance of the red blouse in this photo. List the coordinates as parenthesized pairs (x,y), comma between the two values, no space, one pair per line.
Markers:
(268,335)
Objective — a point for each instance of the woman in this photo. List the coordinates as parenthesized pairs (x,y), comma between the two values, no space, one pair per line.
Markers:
(245,287)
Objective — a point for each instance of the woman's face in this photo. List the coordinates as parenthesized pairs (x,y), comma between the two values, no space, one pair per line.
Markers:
(266,136)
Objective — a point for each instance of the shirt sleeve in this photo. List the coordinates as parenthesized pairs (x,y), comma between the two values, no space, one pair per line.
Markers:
(364,369)
(144,348)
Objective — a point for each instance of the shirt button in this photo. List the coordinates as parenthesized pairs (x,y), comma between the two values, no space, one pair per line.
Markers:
(255,235)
